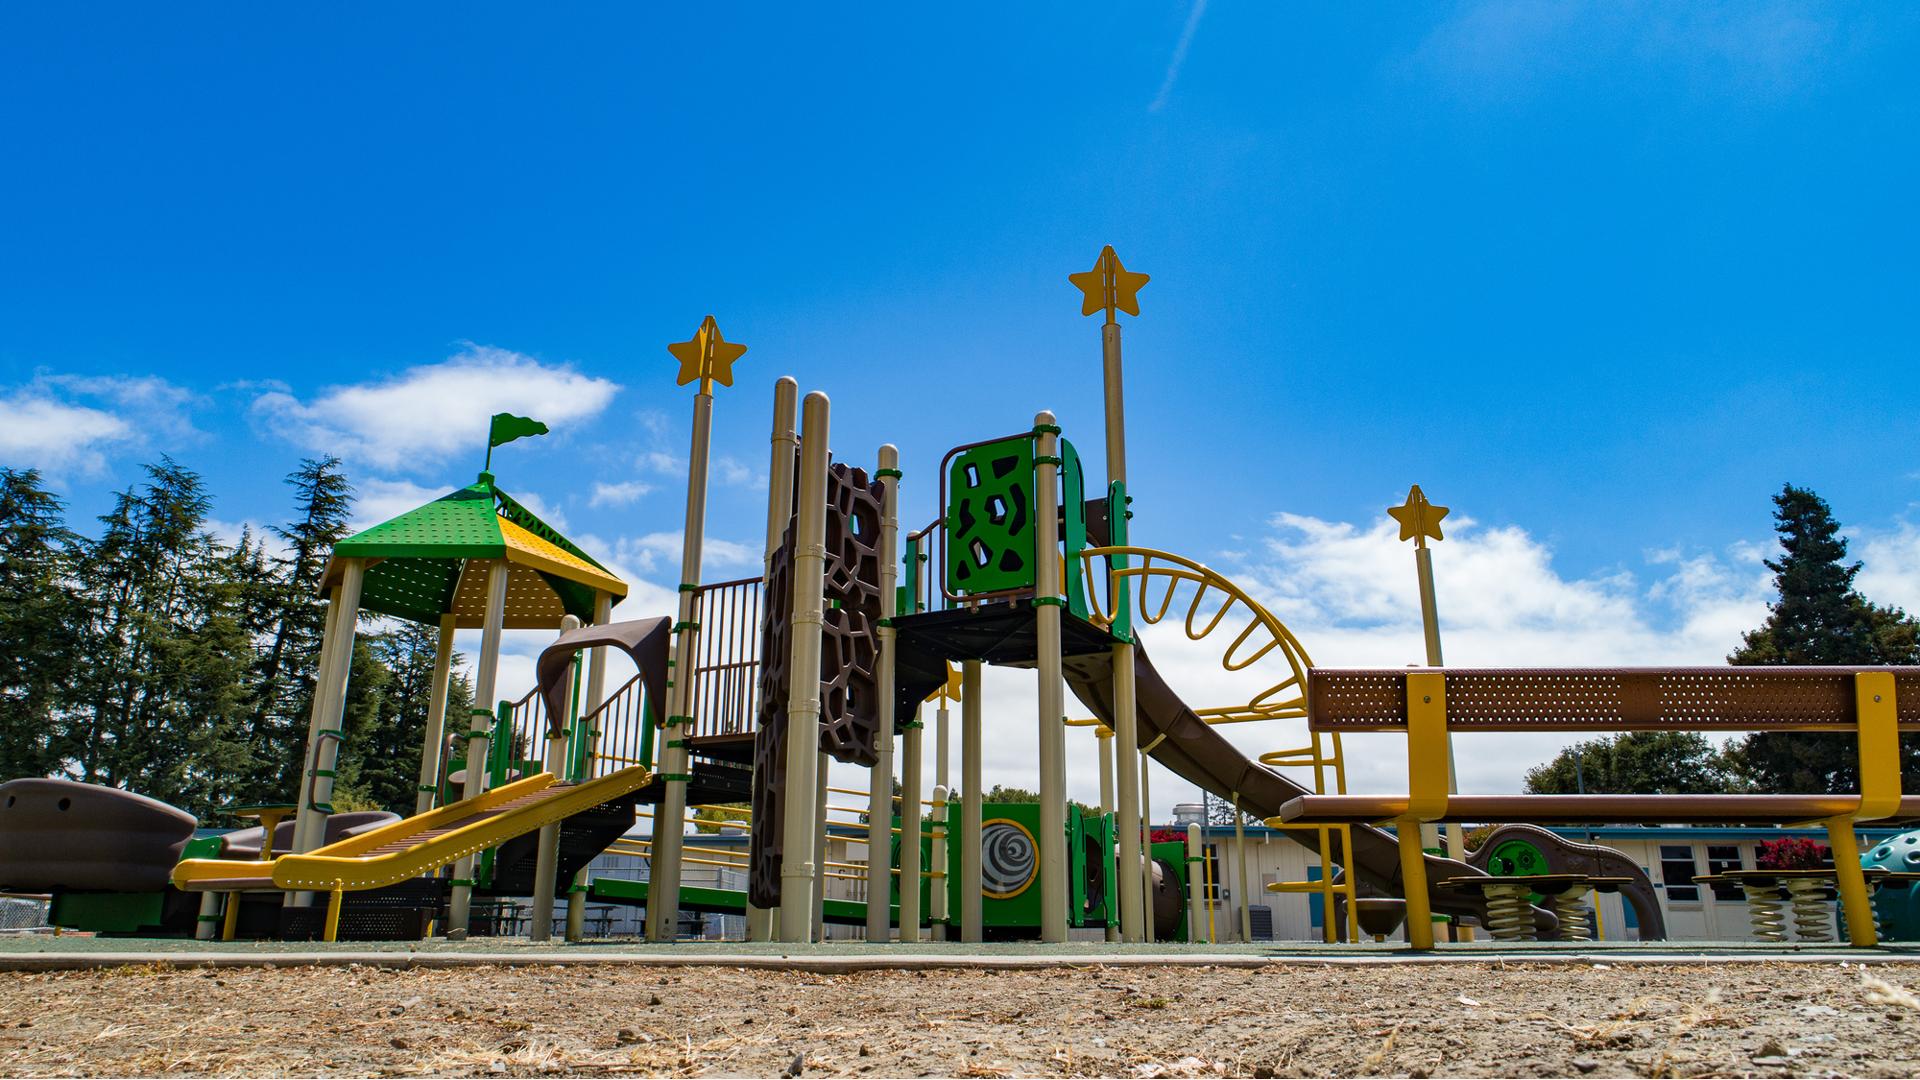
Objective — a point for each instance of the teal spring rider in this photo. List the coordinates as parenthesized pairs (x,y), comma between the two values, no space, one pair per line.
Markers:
(1896,905)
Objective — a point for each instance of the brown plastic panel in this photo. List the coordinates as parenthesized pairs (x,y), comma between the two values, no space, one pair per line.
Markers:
(1609,699)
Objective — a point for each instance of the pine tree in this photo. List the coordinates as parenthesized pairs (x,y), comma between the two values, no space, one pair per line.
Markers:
(288,623)
(38,619)
(1818,619)
(155,700)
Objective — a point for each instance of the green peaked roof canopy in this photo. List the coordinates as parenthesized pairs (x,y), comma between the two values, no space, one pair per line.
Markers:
(417,563)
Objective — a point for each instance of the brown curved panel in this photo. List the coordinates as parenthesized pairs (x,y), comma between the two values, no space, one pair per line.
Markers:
(1566,856)
(62,835)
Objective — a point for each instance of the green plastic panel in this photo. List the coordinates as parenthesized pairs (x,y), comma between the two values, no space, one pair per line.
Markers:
(1074,500)
(107,913)
(458,525)
(990,522)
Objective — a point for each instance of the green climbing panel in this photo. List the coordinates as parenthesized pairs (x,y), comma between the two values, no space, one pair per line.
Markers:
(990,522)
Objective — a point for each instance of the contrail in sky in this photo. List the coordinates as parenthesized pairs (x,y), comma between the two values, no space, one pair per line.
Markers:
(1179,55)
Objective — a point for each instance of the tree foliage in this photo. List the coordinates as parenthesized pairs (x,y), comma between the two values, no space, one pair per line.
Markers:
(156,657)
(1819,618)
(1636,763)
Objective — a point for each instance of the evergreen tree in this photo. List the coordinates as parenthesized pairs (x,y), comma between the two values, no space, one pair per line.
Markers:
(38,619)
(155,699)
(287,619)
(1818,619)
(380,761)
(1636,763)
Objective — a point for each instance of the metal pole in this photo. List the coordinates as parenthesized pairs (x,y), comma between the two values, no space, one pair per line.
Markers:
(1196,887)
(938,882)
(546,858)
(1146,848)
(971,878)
(940,897)
(1134,919)
(480,734)
(434,743)
(330,643)
(1053,729)
(785,443)
(803,691)
(880,794)
(1103,741)
(669,823)
(910,828)
(1240,886)
(596,697)
(822,844)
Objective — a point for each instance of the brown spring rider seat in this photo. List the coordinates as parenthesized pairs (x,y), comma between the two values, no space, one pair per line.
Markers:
(63,836)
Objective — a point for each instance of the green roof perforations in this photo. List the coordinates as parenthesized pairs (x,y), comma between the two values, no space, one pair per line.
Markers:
(460,524)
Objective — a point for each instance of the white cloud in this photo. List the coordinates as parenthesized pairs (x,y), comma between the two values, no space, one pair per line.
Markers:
(376,501)
(1890,570)
(660,553)
(71,423)
(735,473)
(659,461)
(1179,56)
(621,494)
(425,414)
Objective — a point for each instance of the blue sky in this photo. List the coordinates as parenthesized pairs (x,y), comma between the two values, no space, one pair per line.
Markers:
(1600,277)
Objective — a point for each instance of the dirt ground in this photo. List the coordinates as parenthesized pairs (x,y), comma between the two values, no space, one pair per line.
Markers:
(1455,1019)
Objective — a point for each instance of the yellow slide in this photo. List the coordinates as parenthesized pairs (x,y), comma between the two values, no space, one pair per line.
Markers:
(417,845)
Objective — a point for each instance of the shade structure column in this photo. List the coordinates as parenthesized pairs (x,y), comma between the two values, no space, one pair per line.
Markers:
(784,444)
(323,683)
(1051,699)
(324,730)
(480,735)
(546,860)
(803,691)
(971,875)
(433,745)
(880,790)
(596,697)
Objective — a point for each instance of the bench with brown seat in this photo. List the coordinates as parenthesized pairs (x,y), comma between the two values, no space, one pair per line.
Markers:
(1426,705)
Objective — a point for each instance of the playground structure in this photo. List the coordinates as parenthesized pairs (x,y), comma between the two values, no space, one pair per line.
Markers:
(855,629)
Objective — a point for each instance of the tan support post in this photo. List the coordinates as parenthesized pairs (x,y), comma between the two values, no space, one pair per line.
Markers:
(433,745)
(1048,604)
(940,897)
(596,697)
(803,693)
(546,859)
(910,829)
(1196,886)
(330,700)
(971,877)
(1103,741)
(784,443)
(880,788)
(480,733)
(1145,892)
(1240,876)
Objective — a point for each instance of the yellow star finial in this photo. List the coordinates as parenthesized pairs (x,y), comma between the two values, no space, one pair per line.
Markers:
(708,357)
(1418,518)
(949,690)
(1109,285)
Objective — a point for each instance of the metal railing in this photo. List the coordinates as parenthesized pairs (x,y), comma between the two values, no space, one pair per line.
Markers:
(726,671)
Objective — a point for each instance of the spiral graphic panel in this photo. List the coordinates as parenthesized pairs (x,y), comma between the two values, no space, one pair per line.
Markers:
(1009,858)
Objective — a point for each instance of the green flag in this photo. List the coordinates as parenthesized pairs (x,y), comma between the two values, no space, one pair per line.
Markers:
(508,427)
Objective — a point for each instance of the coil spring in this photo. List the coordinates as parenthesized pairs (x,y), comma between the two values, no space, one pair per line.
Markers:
(1812,920)
(1509,915)
(1767,911)
(1576,923)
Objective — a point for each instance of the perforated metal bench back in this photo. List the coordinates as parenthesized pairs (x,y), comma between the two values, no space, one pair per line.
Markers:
(1609,699)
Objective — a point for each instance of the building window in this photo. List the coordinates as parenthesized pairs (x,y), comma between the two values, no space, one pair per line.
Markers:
(1720,859)
(1677,871)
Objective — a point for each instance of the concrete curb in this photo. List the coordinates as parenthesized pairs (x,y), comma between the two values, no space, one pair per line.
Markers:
(839,965)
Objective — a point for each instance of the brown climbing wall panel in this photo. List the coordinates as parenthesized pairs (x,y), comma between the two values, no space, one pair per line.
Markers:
(849,684)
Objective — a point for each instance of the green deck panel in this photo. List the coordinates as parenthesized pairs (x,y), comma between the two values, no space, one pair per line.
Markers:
(724,901)
(461,524)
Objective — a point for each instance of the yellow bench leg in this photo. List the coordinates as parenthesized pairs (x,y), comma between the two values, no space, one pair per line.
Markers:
(1855,901)
(1413,881)
(232,920)
(333,914)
